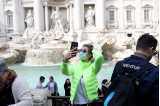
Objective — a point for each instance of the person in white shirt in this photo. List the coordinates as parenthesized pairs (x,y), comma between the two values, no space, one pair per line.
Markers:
(40,83)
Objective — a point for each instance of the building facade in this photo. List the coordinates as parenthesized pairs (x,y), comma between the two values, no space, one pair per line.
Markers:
(89,17)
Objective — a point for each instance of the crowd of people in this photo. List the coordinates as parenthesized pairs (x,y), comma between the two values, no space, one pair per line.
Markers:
(52,86)
(134,81)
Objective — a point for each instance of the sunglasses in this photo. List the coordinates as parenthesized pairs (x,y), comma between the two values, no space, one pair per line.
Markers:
(155,52)
(82,50)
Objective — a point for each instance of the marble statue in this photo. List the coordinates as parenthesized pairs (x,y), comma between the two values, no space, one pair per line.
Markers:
(37,40)
(56,27)
(89,16)
(29,19)
(52,17)
(29,31)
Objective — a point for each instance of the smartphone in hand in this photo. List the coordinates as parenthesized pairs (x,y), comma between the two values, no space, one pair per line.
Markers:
(74,47)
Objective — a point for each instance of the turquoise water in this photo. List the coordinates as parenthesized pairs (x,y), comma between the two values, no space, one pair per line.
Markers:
(32,74)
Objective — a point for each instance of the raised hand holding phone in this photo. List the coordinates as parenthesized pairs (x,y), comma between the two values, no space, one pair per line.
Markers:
(72,53)
(74,45)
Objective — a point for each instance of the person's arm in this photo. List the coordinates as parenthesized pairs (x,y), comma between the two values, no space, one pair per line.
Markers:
(155,90)
(67,68)
(115,71)
(56,87)
(21,93)
(98,60)
(46,86)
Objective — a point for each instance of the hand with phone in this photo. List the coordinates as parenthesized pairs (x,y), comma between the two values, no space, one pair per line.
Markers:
(72,53)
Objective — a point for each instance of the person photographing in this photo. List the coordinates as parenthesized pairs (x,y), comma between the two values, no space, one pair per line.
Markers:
(84,84)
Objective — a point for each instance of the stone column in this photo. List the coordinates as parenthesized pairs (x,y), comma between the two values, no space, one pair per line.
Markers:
(156,16)
(121,15)
(18,17)
(100,14)
(68,13)
(2,14)
(139,14)
(77,15)
(46,18)
(71,17)
(38,16)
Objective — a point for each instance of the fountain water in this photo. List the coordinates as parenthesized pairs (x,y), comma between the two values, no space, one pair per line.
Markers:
(44,52)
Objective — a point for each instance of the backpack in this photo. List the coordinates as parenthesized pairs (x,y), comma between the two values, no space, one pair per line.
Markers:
(123,89)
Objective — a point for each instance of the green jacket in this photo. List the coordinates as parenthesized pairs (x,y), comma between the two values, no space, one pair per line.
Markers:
(89,71)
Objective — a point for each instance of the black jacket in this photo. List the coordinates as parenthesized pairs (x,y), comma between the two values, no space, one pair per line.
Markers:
(148,93)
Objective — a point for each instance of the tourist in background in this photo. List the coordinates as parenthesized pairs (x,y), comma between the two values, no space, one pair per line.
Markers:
(52,86)
(14,91)
(40,83)
(146,75)
(67,87)
(84,85)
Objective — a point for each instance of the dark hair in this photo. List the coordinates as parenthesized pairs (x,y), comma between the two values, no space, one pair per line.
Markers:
(146,41)
(67,79)
(51,77)
(89,46)
(42,78)
(129,35)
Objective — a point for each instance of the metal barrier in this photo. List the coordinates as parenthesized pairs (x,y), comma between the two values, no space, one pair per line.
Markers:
(59,100)
(64,101)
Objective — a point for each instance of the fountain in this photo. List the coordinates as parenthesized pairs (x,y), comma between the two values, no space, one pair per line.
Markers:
(41,48)
(38,48)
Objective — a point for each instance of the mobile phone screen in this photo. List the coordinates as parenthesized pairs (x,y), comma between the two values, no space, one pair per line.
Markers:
(74,45)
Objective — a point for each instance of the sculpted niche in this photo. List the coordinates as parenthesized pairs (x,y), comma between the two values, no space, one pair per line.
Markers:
(57,26)
(29,20)
(90,17)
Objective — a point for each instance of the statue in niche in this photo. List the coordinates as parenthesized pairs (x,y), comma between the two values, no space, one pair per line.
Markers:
(29,20)
(29,31)
(89,17)
(53,18)
(56,27)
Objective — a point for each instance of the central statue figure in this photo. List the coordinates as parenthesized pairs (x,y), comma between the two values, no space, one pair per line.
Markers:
(89,17)
(29,20)
(56,26)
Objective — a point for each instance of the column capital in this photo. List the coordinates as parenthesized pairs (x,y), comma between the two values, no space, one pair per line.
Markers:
(45,4)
